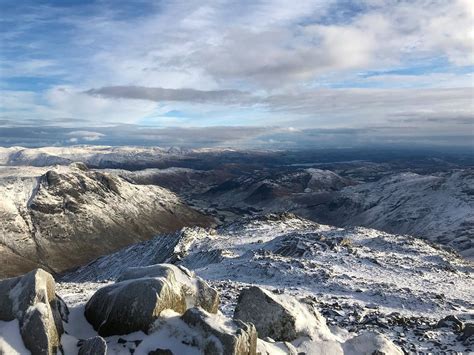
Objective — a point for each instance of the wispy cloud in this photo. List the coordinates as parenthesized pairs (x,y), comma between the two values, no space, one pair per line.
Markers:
(162,94)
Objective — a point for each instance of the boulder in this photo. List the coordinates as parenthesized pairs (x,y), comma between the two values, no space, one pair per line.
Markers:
(468,332)
(197,292)
(93,346)
(138,297)
(371,343)
(222,336)
(32,300)
(280,317)
(452,322)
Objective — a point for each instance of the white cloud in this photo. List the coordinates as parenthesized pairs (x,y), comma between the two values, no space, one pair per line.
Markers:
(88,136)
(278,51)
(218,45)
(66,102)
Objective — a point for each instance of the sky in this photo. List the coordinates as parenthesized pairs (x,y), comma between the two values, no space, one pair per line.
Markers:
(260,73)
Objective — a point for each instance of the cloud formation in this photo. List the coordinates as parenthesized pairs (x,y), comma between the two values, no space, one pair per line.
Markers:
(162,94)
(233,137)
(333,64)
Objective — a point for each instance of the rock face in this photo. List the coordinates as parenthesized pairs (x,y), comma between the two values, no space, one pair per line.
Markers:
(230,337)
(50,219)
(279,317)
(371,343)
(141,294)
(93,346)
(32,300)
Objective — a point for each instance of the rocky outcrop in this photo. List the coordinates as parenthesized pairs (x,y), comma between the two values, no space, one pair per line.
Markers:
(196,291)
(93,346)
(279,317)
(452,322)
(222,336)
(141,294)
(52,220)
(32,300)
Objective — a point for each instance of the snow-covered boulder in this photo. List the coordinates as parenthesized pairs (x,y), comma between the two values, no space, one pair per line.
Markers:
(280,317)
(32,300)
(93,346)
(302,345)
(371,343)
(141,294)
(221,335)
(197,292)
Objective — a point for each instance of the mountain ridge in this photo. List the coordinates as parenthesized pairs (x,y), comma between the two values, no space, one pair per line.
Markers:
(70,215)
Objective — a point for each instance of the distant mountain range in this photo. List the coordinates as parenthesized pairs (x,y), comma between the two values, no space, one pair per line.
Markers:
(59,214)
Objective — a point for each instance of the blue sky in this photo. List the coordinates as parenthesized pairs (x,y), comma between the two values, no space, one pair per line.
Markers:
(385,70)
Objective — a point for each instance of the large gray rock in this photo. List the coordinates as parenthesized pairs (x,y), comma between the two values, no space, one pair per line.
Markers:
(93,346)
(141,294)
(196,290)
(32,300)
(452,322)
(280,317)
(222,336)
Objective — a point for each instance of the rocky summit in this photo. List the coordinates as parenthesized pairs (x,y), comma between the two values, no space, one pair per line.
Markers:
(162,322)
(67,216)
(303,286)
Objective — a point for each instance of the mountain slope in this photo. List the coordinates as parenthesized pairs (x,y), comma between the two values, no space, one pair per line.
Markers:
(70,215)
(359,278)
(439,207)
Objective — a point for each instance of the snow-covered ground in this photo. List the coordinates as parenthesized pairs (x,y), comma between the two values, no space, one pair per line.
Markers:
(437,207)
(359,278)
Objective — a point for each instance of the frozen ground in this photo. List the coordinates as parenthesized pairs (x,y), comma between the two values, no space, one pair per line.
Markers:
(359,278)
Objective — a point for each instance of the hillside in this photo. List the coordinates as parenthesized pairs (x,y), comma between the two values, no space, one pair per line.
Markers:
(359,278)
(65,216)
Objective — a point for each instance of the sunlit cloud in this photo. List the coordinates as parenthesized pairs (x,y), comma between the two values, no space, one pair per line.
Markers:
(319,65)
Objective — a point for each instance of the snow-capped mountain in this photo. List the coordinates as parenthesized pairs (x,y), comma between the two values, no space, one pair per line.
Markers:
(388,195)
(65,216)
(92,155)
(265,189)
(101,156)
(358,278)
(437,207)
